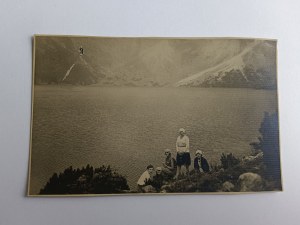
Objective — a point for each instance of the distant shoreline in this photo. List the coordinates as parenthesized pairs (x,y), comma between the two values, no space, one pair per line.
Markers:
(127,86)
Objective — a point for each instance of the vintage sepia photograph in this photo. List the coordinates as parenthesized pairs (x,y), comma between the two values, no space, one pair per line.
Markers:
(153,116)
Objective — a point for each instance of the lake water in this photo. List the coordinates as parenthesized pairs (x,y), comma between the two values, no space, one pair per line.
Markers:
(129,128)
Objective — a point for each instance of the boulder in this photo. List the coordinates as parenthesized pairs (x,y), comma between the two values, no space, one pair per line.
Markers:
(149,189)
(166,188)
(227,187)
(256,158)
(250,182)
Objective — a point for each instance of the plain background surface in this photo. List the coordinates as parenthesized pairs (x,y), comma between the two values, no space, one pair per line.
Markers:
(19,20)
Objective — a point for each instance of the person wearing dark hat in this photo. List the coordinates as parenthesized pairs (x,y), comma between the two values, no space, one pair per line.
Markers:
(200,163)
(183,152)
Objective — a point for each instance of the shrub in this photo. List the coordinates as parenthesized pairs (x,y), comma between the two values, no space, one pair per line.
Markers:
(269,144)
(228,160)
(87,180)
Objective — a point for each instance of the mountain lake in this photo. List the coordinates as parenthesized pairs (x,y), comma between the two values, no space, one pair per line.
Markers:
(129,127)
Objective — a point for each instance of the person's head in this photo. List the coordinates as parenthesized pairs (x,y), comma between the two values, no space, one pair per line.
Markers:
(150,168)
(158,170)
(167,152)
(199,153)
(181,132)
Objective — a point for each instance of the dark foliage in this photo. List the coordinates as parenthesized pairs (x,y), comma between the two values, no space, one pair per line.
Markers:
(228,160)
(269,144)
(204,182)
(213,181)
(87,180)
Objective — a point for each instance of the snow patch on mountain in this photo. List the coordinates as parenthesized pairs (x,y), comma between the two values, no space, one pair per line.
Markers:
(235,63)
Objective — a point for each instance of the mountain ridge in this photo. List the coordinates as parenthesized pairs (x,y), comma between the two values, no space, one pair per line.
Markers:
(245,73)
(154,62)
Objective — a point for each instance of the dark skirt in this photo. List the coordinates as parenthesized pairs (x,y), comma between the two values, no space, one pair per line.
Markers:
(183,159)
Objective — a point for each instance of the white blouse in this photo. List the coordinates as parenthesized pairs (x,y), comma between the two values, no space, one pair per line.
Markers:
(144,177)
(183,144)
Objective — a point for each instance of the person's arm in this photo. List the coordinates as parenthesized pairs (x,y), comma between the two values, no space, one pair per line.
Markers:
(148,178)
(172,164)
(205,166)
(177,145)
(196,166)
(187,144)
(141,180)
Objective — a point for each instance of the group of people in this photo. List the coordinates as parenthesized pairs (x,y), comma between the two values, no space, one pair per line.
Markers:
(171,168)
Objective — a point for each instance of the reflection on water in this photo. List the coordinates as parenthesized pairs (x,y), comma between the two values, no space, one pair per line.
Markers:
(128,128)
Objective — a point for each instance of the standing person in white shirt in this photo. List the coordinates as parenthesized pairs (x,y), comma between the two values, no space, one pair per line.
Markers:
(183,152)
(145,177)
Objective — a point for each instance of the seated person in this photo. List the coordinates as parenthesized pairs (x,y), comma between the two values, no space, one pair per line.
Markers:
(169,164)
(158,179)
(145,178)
(200,163)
